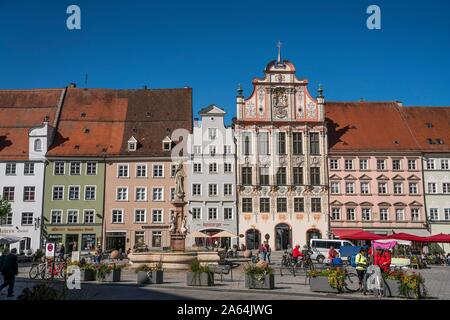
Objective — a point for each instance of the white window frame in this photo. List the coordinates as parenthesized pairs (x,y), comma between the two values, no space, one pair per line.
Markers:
(192,190)
(382,214)
(95,192)
(68,192)
(414,162)
(162,215)
(121,215)
(209,190)
(217,214)
(136,193)
(366,161)
(412,214)
(338,210)
(68,214)
(53,192)
(195,165)
(335,187)
(162,193)
(200,211)
(61,217)
(416,187)
(349,164)
(334,164)
(119,165)
(365,184)
(63,168)
(444,164)
(162,170)
(96,168)
(225,166)
(136,170)
(84,216)
(231,190)
(70,168)
(117,193)
(145,215)
(350,183)
(396,185)
(364,211)
(432,212)
(224,214)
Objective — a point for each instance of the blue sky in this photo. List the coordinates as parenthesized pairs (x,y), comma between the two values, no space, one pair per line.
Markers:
(212,46)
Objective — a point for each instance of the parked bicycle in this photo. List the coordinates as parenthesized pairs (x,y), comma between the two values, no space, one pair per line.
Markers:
(54,270)
(36,270)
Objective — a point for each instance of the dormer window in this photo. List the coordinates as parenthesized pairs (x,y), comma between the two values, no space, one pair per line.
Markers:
(38,145)
(132,144)
(167,144)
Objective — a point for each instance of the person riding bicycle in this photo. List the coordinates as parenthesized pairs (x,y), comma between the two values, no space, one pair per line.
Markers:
(296,253)
(361,266)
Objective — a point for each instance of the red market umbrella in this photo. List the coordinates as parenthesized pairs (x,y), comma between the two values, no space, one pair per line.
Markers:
(362,235)
(438,238)
(406,236)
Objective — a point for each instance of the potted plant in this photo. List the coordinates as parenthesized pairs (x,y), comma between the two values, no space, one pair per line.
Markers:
(328,280)
(259,276)
(199,275)
(152,275)
(413,286)
(87,272)
(393,281)
(108,273)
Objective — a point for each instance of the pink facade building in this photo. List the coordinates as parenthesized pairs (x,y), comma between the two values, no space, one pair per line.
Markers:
(375,170)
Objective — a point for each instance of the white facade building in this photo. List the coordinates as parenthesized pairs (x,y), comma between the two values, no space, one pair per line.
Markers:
(22,184)
(212,179)
(436,168)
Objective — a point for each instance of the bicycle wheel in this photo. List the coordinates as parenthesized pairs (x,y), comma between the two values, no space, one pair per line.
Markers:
(351,282)
(47,272)
(34,271)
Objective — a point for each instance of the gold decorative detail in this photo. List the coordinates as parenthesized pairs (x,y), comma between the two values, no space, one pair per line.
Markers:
(247,217)
(282,217)
(265,216)
(317,216)
(299,216)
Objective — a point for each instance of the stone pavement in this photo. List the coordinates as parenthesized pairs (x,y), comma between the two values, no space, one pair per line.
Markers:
(288,287)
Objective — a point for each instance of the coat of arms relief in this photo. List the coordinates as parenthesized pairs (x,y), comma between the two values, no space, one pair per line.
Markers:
(280,103)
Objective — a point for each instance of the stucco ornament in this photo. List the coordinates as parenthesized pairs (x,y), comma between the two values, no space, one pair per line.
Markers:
(280,103)
(250,109)
(311,110)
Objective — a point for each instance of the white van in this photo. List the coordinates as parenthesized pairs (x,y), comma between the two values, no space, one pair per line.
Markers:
(320,247)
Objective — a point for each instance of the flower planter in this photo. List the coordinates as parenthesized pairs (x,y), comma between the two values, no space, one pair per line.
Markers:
(113,276)
(154,277)
(268,282)
(203,279)
(320,284)
(87,275)
(142,277)
(392,288)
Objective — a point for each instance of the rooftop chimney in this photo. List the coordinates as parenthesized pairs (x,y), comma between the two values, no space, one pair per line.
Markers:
(72,85)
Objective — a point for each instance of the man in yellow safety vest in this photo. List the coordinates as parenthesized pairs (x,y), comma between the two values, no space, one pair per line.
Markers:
(361,265)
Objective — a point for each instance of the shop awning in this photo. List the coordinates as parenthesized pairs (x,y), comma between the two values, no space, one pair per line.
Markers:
(442,237)
(362,235)
(343,232)
(198,234)
(9,239)
(225,234)
(407,236)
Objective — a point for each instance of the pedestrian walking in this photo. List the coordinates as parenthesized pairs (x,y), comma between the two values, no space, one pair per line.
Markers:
(268,251)
(361,266)
(62,252)
(262,252)
(9,269)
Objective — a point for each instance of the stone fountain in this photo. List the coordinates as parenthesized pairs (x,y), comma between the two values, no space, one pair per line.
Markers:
(178,257)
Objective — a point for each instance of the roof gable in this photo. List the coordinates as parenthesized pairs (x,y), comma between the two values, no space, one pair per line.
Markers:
(211,110)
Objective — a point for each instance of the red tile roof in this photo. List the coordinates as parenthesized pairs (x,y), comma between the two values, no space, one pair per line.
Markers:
(367,126)
(99,122)
(21,110)
(429,123)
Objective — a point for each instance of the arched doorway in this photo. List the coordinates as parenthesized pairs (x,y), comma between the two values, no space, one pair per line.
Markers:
(283,236)
(252,239)
(313,234)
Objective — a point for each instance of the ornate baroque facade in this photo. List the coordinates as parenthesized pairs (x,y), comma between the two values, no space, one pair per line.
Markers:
(281,160)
